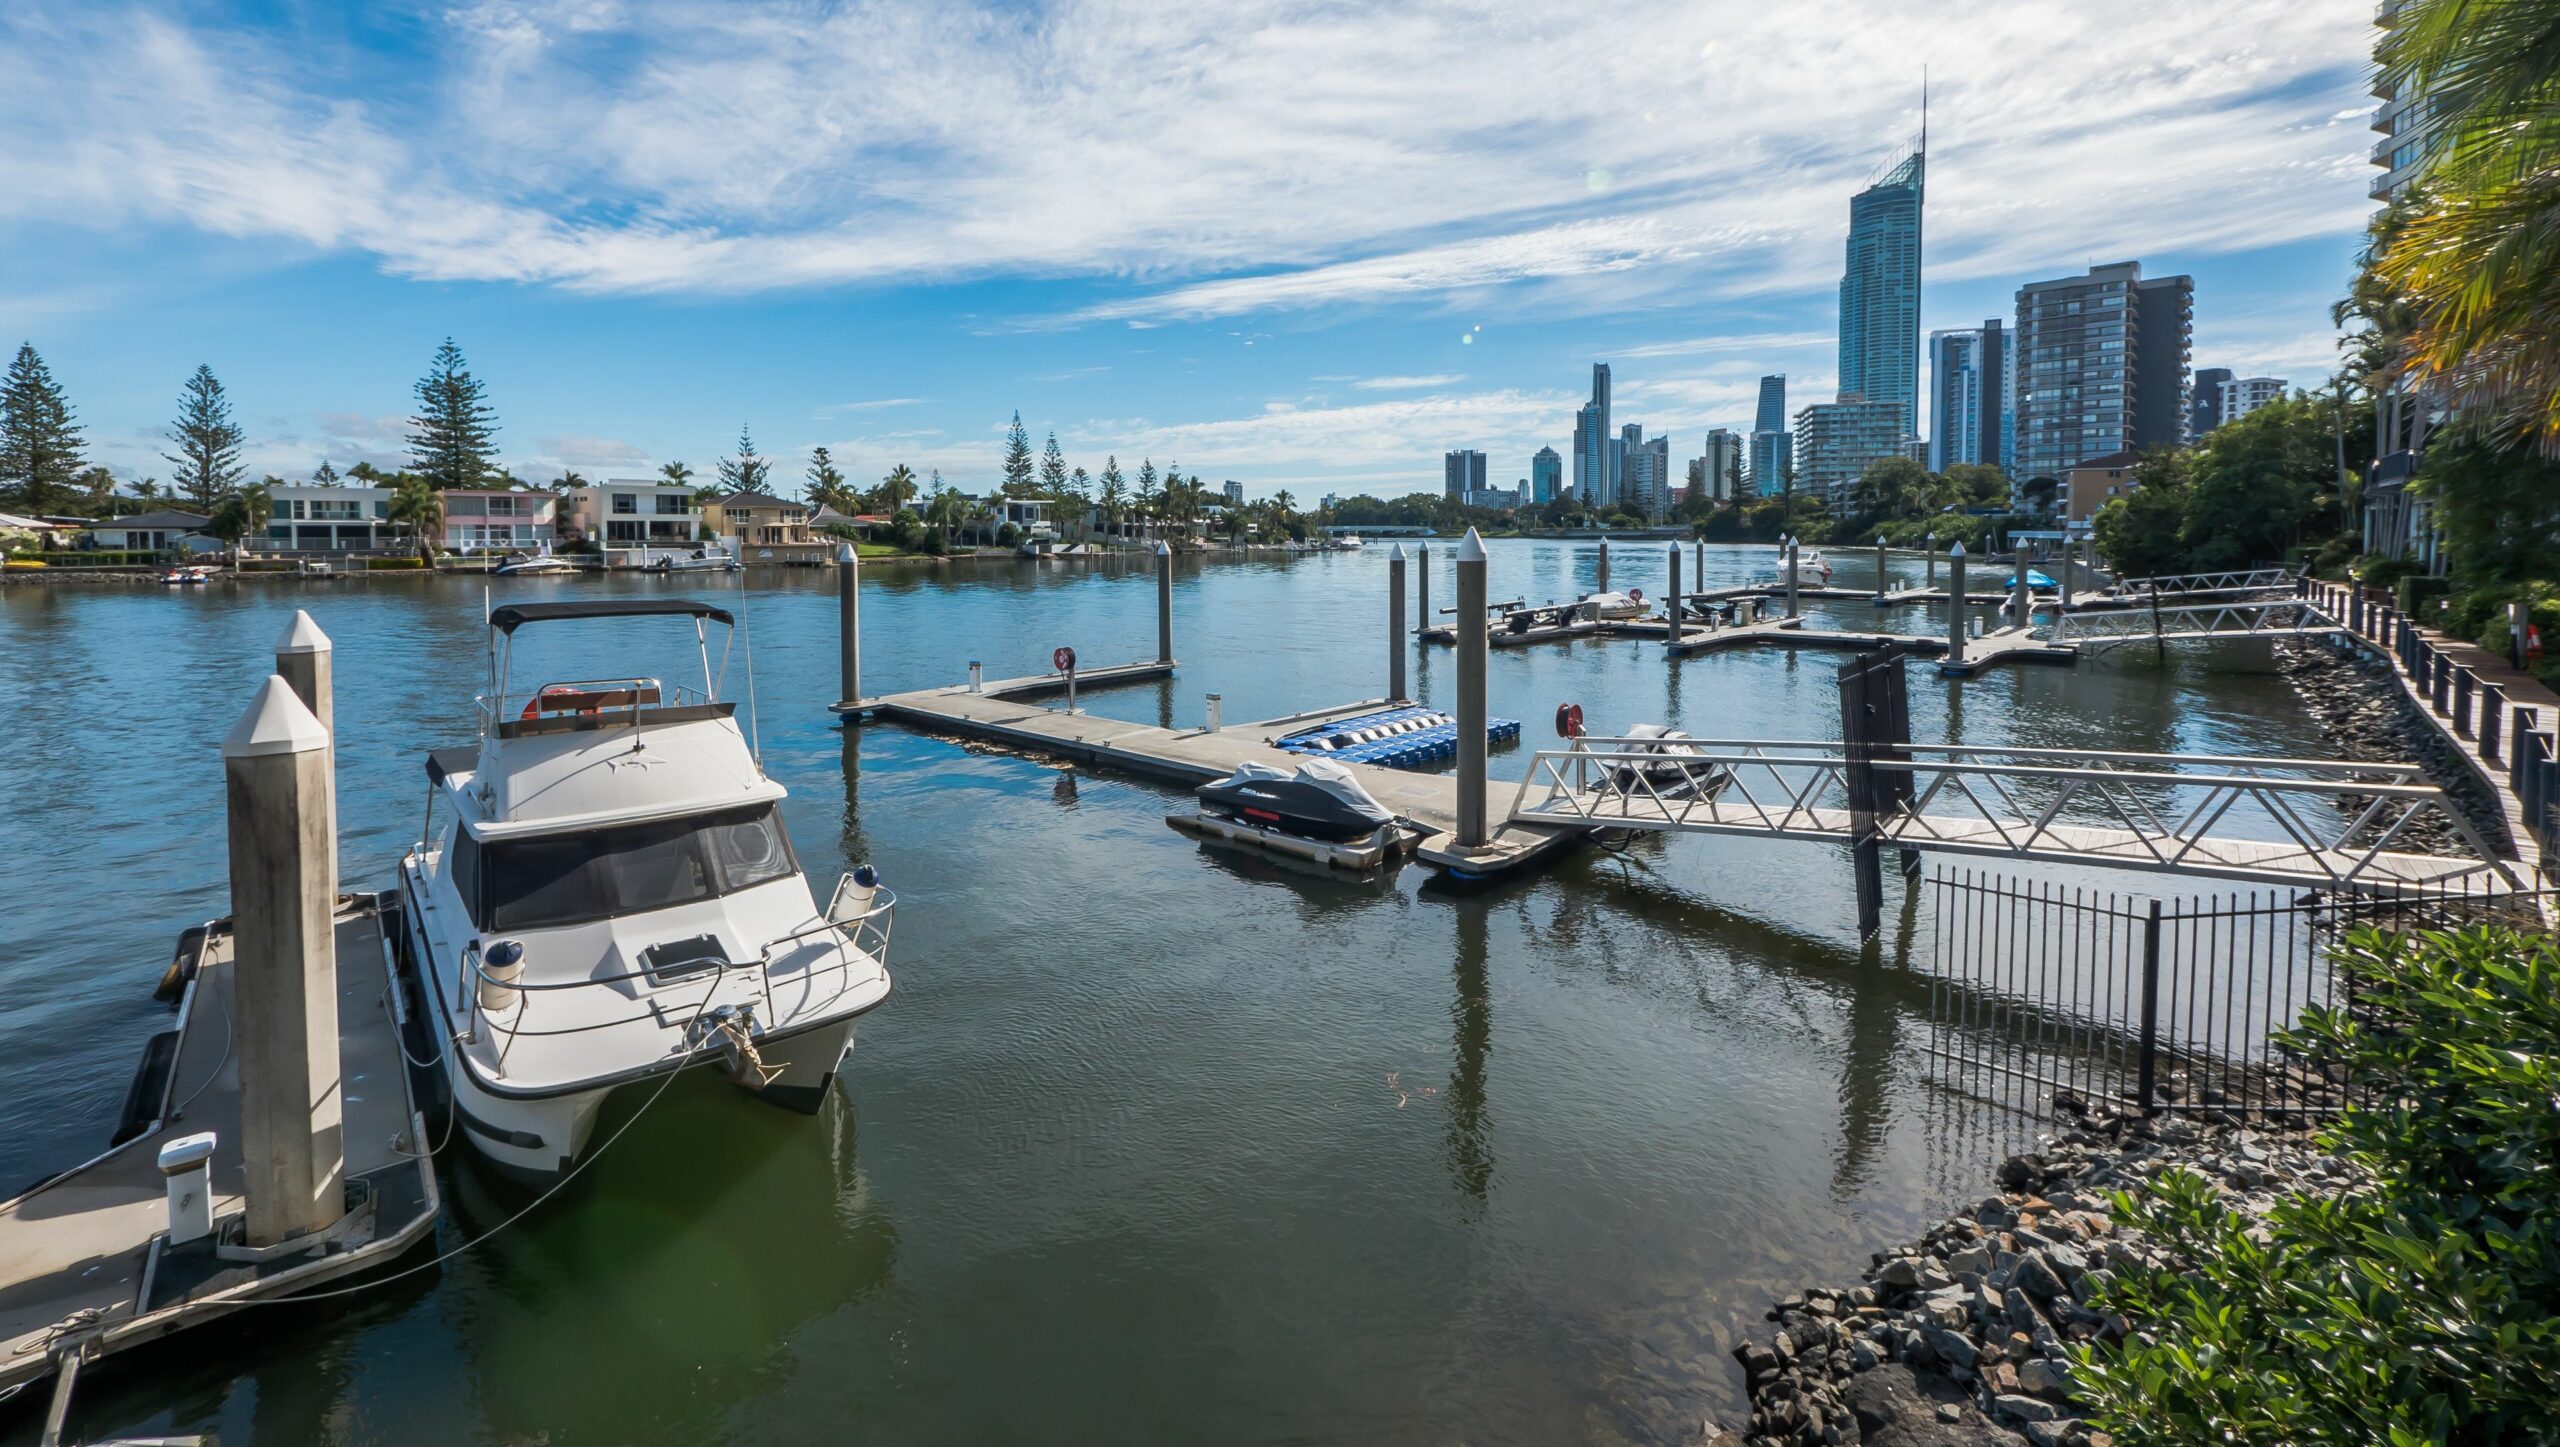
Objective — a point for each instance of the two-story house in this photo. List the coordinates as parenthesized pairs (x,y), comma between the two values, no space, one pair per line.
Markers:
(479,520)
(304,517)
(632,516)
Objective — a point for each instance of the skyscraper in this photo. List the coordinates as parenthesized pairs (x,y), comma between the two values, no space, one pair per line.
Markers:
(1235,493)
(1646,483)
(1546,475)
(1880,291)
(1968,396)
(1718,466)
(1464,471)
(1836,440)
(1772,450)
(2244,395)
(2205,413)
(2402,120)
(1595,475)
(2102,366)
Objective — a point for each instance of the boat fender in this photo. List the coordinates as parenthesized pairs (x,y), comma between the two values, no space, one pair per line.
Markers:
(1568,720)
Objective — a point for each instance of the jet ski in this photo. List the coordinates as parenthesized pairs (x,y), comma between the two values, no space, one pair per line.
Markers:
(1320,801)
(1613,607)
(1676,775)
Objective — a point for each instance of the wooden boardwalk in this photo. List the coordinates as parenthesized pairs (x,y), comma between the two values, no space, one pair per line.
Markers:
(998,714)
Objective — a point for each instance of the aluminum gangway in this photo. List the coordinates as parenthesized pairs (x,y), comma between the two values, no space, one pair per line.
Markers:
(2333,824)
(2237,580)
(2093,628)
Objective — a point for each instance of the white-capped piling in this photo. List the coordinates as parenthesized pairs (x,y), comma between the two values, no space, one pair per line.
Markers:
(284,966)
(1794,549)
(1422,573)
(1955,604)
(1164,602)
(1880,578)
(848,623)
(1604,563)
(2020,602)
(1672,602)
(1396,644)
(2062,579)
(1699,578)
(1929,550)
(306,661)
(1472,647)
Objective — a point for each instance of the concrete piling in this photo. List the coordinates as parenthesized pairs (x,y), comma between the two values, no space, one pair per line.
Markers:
(1472,648)
(1671,603)
(1929,550)
(1396,642)
(1955,604)
(849,623)
(2021,601)
(1422,571)
(2063,578)
(283,893)
(306,661)
(1604,564)
(1698,579)
(1164,603)
(1793,551)
(1882,586)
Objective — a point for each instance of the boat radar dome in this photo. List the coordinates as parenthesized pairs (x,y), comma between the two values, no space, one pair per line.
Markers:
(1471,548)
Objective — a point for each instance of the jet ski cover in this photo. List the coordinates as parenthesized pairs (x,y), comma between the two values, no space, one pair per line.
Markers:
(1337,781)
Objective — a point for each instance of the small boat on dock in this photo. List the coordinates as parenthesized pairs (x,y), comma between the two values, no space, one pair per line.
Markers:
(605,896)
(1319,814)
(1612,607)
(540,564)
(193,575)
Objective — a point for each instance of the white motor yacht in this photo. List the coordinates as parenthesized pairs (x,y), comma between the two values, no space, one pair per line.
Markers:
(605,894)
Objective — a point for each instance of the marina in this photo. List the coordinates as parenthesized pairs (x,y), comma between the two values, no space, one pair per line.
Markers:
(1743,1016)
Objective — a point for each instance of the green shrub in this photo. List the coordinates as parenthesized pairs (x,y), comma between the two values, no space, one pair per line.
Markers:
(2415,594)
(2423,1310)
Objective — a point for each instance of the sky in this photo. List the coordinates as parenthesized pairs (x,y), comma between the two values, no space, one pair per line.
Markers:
(1307,246)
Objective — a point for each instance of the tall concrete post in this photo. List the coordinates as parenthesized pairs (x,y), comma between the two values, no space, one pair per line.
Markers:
(275,764)
(1881,584)
(1396,641)
(1422,574)
(1604,564)
(305,660)
(1793,550)
(1929,550)
(1164,602)
(849,623)
(2064,577)
(1698,579)
(2021,603)
(1955,604)
(1673,601)
(1472,647)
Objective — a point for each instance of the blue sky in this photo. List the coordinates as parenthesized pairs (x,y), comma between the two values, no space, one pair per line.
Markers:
(1303,245)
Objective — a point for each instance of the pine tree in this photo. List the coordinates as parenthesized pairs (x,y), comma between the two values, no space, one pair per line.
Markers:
(39,444)
(208,455)
(826,483)
(1053,468)
(1017,460)
(324,475)
(454,436)
(747,471)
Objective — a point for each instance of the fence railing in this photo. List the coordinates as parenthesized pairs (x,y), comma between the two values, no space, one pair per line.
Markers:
(2040,992)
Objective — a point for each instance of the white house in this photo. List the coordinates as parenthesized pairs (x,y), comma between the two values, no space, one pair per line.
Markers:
(480,519)
(624,514)
(156,532)
(306,517)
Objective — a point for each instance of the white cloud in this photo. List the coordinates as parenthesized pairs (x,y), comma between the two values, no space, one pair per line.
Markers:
(1405,384)
(1222,157)
(877,404)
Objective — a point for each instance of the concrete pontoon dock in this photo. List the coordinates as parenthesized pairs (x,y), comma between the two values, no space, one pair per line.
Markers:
(995,713)
(85,1263)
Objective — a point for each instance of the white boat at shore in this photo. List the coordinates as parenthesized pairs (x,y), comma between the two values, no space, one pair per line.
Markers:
(605,895)
(539,564)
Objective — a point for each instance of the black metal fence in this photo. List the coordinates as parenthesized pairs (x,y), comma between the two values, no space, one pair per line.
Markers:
(2040,993)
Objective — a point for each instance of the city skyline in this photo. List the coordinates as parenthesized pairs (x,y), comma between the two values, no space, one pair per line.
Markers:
(247,195)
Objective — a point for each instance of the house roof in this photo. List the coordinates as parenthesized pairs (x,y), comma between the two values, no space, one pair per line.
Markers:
(157,521)
(2111,460)
(758,499)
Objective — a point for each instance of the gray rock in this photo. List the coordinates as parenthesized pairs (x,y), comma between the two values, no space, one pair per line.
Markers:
(1893,1406)
(1953,1348)
(2020,1310)
(2036,1277)
(2052,1434)
(1901,1273)
(2046,1377)
(2021,1408)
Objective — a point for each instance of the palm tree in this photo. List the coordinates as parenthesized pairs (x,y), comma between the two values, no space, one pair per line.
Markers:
(946,511)
(241,514)
(896,488)
(676,473)
(2473,255)
(569,482)
(417,506)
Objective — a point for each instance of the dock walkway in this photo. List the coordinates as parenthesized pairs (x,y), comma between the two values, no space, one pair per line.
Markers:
(83,1254)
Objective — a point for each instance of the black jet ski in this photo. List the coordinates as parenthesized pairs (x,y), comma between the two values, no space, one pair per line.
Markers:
(1320,801)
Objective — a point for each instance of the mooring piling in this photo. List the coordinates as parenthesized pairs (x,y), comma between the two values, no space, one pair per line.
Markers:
(1397,644)
(1422,573)
(1882,586)
(1164,602)
(2062,579)
(849,624)
(1671,602)
(275,765)
(1604,563)
(1793,549)
(1929,550)
(305,660)
(1472,647)
(1955,604)
(2020,600)
(1700,576)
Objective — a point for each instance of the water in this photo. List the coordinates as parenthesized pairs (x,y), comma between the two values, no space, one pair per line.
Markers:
(1152,1142)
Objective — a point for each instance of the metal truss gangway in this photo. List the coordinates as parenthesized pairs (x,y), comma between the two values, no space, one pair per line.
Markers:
(2317,824)
(2236,580)
(2091,628)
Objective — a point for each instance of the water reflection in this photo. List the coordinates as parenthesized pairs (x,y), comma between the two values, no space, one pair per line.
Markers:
(1471,1021)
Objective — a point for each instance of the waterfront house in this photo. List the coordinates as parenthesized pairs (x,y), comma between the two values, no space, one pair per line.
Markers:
(308,518)
(631,516)
(988,516)
(758,527)
(156,532)
(500,520)
(2090,485)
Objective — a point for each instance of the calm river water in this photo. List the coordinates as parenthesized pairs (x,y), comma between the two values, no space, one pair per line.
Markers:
(1153,1143)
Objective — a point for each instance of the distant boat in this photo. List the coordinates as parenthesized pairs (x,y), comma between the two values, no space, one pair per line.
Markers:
(700,560)
(1348,542)
(190,576)
(2034,580)
(543,563)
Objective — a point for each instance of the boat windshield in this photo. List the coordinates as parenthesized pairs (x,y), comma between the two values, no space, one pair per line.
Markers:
(565,879)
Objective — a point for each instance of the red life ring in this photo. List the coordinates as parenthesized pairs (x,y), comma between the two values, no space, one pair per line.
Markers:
(2532,642)
(1568,720)
(1635,594)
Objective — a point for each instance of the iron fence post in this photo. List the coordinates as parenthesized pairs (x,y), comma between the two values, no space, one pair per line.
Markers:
(2148,1076)
(2493,703)
(2462,678)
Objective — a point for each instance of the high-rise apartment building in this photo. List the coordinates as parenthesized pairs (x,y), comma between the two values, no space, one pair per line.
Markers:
(1836,440)
(1546,476)
(1880,292)
(2204,408)
(1463,473)
(1772,449)
(2403,121)
(2244,395)
(1718,470)
(1595,476)
(1235,493)
(2102,366)
(1647,483)
(1969,417)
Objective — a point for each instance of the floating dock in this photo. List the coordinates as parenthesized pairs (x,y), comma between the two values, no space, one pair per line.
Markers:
(996,713)
(86,1267)
(1407,737)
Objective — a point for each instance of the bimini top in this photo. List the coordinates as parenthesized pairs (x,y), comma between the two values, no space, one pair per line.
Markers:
(515,615)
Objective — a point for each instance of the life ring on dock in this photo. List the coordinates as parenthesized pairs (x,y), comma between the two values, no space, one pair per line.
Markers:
(1635,595)
(1568,720)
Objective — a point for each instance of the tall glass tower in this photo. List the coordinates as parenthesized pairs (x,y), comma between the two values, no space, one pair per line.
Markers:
(1880,291)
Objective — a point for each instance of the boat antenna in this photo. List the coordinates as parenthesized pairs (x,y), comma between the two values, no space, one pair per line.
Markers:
(747,640)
